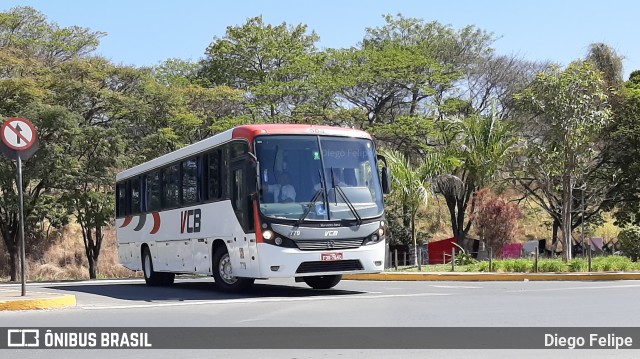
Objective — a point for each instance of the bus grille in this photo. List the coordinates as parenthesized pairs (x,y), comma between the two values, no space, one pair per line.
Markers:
(330,266)
(323,244)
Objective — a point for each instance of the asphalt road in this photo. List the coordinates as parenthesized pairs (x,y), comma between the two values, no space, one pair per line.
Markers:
(197,303)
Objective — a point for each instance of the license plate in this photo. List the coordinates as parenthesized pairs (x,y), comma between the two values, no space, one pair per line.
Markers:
(331,256)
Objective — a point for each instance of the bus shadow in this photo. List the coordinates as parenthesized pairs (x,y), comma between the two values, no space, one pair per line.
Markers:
(196,291)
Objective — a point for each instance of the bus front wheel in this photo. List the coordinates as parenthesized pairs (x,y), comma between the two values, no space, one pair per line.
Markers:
(223,273)
(152,277)
(322,281)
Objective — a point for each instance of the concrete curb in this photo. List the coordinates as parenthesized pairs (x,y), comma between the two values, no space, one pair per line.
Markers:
(471,277)
(35,300)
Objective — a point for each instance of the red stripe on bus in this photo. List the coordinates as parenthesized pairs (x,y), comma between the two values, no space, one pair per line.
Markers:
(126,222)
(258,225)
(156,223)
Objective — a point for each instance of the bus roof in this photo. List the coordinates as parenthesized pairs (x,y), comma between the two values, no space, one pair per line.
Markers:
(251,131)
(248,132)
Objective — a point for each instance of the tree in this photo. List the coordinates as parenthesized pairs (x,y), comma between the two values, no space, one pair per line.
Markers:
(482,145)
(568,109)
(629,239)
(260,59)
(89,193)
(41,173)
(624,137)
(495,218)
(27,29)
(411,186)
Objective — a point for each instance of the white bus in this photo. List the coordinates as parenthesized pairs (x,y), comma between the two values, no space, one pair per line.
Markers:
(257,202)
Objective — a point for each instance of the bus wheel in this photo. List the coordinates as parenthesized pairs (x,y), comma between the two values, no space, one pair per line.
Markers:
(152,277)
(322,281)
(223,273)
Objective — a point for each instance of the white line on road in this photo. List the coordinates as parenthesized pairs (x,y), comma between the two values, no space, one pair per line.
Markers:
(456,286)
(573,288)
(260,300)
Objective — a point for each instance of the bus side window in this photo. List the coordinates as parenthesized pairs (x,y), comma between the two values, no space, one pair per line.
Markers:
(214,172)
(190,190)
(238,148)
(171,185)
(152,187)
(121,199)
(135,195)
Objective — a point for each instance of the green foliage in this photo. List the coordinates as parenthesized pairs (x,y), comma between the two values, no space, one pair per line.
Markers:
(629,239)
(611,264)
(551,265)
(578,265)
(480,267)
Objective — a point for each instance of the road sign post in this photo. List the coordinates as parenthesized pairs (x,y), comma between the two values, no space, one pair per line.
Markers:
(20,142)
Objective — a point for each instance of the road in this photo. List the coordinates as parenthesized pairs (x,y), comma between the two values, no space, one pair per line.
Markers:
(284,303)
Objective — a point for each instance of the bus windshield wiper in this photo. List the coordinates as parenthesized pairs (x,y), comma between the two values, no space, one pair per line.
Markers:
(313,201)
(338,189)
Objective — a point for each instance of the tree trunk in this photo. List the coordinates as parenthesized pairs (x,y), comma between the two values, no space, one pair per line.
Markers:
(566,215)
(93,267)
(415,241)
(13,265)
(554,236)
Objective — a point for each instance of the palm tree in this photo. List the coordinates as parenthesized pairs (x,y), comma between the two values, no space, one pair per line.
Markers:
(482,145)
(411,185)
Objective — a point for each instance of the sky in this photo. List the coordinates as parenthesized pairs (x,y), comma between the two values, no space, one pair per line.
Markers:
(146,32)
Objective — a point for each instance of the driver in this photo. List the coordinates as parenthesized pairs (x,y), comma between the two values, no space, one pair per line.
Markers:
(284,192)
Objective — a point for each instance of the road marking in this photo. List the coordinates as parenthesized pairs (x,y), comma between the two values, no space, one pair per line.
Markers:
(573,288)
(456,286)
(260,300)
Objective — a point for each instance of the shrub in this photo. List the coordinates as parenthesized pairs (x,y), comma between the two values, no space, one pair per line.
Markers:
(551,265)
(495,217)
(523,265)
(482,266)
(578,265)
(629,239)
(611,263)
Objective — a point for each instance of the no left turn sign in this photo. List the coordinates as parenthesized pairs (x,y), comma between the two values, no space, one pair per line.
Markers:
(18,134)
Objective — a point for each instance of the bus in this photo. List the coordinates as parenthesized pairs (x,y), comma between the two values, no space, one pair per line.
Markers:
(257,202)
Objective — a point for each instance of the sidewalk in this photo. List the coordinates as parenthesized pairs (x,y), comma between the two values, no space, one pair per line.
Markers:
(462,276)
(11,299)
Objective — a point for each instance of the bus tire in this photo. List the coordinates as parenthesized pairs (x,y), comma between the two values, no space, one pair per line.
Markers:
(323,281)
(223,274)
(152,277)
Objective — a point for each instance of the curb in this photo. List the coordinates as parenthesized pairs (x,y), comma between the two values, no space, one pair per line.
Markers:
(45,301)
(474,277)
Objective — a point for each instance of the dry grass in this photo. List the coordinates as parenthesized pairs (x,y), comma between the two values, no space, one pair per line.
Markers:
(61,256)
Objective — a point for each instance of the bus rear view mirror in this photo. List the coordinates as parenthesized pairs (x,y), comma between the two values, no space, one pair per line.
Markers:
(386,180)
(386,175)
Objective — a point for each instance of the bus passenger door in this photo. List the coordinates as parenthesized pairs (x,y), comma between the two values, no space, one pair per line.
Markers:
(244,244)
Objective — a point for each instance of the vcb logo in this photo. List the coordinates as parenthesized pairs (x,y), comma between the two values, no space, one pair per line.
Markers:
(190,220)
(22,338)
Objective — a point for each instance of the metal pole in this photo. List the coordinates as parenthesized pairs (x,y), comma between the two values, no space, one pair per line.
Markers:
(453,259)
(589,254)
(537,253)
(490,259)
(395,255)
(21,219)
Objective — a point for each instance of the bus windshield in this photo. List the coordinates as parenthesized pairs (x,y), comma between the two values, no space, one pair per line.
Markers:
(315,178)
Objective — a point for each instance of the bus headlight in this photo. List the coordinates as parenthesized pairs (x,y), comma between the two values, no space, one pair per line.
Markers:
(267,235)
(278,241)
